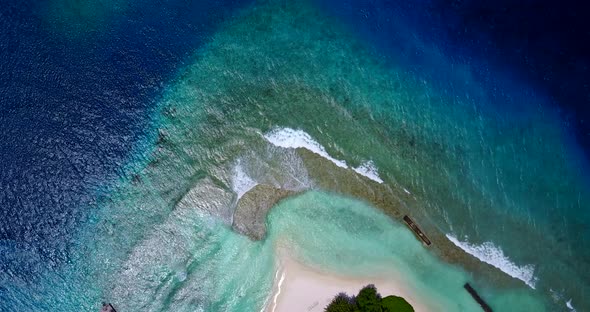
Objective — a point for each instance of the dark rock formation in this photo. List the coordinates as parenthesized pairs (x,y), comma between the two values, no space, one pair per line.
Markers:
(250,214)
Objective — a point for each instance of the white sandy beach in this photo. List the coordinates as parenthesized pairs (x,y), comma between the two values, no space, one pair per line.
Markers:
(301,288)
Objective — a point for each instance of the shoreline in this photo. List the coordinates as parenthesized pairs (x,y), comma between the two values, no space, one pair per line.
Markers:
(394,201)
(299,287)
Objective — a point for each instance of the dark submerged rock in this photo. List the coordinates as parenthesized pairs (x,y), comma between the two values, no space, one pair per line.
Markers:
(250,214)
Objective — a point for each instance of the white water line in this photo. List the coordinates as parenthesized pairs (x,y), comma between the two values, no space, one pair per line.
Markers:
(278,292)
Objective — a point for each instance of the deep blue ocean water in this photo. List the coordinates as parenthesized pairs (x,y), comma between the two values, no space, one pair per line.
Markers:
(537,44)
(77,93)
(78,90)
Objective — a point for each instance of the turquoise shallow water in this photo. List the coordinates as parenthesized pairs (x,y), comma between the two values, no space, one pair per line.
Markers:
(160,238)
(349,237)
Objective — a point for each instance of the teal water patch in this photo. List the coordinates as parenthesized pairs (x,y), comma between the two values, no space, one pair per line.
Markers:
(78,18)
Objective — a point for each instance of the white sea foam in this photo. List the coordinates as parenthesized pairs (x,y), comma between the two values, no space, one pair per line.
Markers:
(569,305)
(493,255)
(291,138)
(241,182)
(369,170)
(279,288)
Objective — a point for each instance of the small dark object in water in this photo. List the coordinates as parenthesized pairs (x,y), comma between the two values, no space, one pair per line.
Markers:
(162,137)
(477,298)
(417,230)
(170,111)
(136,179)
(107,307)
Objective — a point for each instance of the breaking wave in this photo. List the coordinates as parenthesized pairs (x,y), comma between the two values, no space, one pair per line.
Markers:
(493,255)
(291,138)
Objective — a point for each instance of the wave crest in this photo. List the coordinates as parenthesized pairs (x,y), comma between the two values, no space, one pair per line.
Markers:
(291,138)
(493,255)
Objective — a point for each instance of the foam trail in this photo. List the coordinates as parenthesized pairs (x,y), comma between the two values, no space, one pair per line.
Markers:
(241,182)
(493,255)
(369,170)
(279,288)
(570,306)
(291,138)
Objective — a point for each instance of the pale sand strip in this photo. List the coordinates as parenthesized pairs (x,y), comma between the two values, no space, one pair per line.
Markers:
(299,288)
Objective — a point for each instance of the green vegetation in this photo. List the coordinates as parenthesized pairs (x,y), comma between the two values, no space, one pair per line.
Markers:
(395,304)
(368,300)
